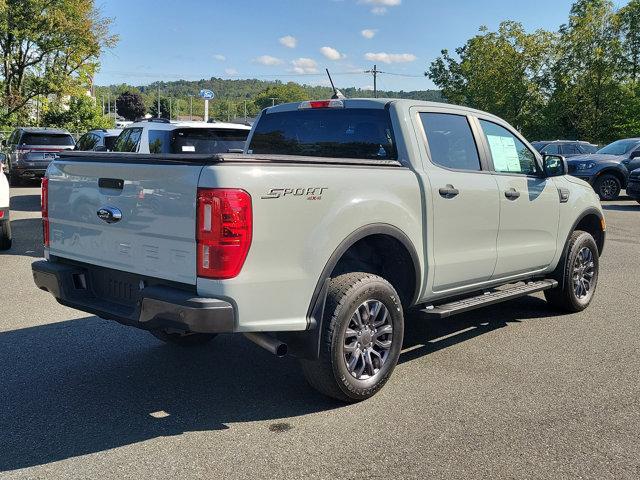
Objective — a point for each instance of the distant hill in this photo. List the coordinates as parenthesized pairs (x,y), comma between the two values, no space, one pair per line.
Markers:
(231,96)
(249,88)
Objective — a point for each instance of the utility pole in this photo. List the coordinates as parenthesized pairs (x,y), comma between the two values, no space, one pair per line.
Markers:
(158,101)
(375,73)
(245,111)
(170,107)
(273,100)
(109,103)
(190,107)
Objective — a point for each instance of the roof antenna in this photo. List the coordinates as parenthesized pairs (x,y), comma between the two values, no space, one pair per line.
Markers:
(336,93)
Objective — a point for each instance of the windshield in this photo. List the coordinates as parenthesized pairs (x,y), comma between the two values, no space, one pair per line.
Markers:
(339,133)
(197,140)
(47,139)
(619,147)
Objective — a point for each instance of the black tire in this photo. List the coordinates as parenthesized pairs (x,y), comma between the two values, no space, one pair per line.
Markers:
(608,187)
(347,294)
(183,339)
(14,180)
(565,297)
(5,235)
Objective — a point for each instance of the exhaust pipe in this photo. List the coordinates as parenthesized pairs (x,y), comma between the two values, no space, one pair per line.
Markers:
(278,348)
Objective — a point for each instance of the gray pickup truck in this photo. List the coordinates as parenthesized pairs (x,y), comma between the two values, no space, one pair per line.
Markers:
(339,217)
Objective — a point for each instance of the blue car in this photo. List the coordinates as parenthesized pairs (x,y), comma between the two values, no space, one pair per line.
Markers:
(608,169)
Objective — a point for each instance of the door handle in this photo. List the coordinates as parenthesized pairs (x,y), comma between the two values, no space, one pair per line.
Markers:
(449,191)
(512,194)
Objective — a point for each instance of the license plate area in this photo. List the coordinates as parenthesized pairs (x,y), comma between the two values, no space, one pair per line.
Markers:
(49,156)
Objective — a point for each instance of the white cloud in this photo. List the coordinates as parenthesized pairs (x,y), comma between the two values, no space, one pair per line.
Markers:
(390,57)
(219,57)
(231,71)
(268,60)
(332,53)
(304,65)
(379,7)
(288,41)
(385,3)
(368,33)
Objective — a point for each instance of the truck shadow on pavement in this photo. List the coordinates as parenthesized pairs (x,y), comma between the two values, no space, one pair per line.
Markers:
(25,203)
(84,386)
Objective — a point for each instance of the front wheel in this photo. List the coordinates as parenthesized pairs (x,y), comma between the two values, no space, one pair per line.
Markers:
(579,275)
(361,338)
(607,187)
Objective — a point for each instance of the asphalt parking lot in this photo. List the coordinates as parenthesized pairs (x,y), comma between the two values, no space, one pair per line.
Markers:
(512,391)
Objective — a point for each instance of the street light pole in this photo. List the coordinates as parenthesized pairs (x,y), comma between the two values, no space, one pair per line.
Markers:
(190,107)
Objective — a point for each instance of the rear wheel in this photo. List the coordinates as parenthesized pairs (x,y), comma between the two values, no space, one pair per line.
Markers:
(361,338)
(5,235)
(183,339)
(579,275)
(607,187)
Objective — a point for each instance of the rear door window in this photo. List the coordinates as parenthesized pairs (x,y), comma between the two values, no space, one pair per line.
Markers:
(364,133)
(59,139)
(451,142)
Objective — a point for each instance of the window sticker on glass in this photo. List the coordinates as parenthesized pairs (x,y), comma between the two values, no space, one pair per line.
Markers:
(504,153)
(188,148)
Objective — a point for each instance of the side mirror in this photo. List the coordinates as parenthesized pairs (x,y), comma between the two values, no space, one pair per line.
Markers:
(555,165)
(4,142)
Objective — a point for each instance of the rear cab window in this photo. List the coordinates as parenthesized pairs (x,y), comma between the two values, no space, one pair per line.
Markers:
(35,138)
(361,133)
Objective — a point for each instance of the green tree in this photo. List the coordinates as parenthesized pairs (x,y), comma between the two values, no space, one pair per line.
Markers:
(130,105)
(281,93)
(503,72)
(48,47)
(164,108)
(588,73)
(81,114)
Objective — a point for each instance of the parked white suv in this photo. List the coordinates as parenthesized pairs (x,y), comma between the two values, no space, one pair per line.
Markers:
(161,136)
(5,226)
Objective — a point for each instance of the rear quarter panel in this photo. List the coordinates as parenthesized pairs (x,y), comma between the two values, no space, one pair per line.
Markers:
(295,235)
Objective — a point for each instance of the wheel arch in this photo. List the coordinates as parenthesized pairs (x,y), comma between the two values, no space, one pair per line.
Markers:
(306,344)
(616,172)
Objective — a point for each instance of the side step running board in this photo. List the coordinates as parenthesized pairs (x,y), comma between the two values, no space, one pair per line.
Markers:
(488,298)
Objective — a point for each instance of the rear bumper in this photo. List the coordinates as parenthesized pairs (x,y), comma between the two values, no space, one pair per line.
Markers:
(154,307)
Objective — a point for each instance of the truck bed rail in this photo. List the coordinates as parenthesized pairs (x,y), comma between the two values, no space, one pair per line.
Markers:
(206,159)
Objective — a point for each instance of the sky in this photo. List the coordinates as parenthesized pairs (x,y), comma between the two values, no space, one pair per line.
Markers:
(294,40)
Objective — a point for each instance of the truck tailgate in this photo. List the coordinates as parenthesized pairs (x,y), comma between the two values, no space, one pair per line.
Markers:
(157,205)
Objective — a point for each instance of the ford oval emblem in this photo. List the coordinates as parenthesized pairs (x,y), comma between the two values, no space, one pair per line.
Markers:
(109,214)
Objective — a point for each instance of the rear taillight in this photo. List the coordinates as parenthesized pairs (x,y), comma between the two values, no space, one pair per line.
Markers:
(223,231)
(44,203)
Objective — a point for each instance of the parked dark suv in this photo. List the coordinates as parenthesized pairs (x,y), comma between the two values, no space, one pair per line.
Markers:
(30,150)
(99,140)
(566,148)
(608,169)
